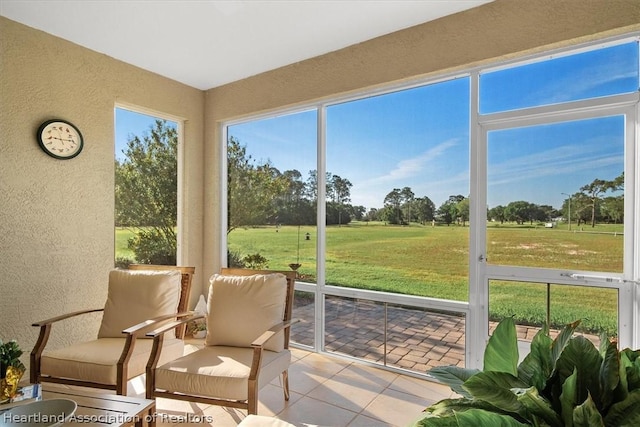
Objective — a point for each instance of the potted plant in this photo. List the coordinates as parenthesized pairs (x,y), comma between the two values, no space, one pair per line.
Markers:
(565,381)
(11,369)
(200,330)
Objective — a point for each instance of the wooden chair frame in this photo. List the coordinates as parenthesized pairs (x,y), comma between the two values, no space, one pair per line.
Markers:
(131,334)
(251,404)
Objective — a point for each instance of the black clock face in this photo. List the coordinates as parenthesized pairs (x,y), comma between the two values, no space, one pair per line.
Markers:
(60,139)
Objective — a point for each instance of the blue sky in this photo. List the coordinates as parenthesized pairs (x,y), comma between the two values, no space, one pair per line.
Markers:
(128,124)
(419,138)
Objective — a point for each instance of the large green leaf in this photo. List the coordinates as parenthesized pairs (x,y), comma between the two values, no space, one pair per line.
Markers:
(633,369)
(449,421)
(579,354)
(454,377)
(562,339)
(539,407)
(622,391)
(495,388)
(537,365)
(604,344)
(568,399)
(501,354)
(609,374)
(478,417)
(625,413)
(447,407)
(587,415)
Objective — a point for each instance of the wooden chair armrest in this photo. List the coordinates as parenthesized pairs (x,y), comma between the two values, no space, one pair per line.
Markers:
(171,325)
(43,338)
(156,349)
(65,316)
(259,343)
(143,327)
(271,332)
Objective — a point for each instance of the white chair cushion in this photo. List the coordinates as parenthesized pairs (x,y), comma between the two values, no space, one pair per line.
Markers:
(219,372)
(138,295)
(241,308)
(95,361)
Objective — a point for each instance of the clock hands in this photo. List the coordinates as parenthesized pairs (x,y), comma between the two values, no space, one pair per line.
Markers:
(69,139)
(62,139)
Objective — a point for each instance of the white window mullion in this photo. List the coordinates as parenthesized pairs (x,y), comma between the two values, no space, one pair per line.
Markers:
(321,245)
(476,325)
(224,200)
(627,293)
(632,221)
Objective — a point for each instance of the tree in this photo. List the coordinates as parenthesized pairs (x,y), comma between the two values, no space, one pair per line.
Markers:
(593,192)
(425,209)
(341,192)
(146,194)
(372,215)
(519,211)
(292,204)
(580,207)
(613,209)
(407,197)
(392,202)
(463,210)
(498,214)
(251,188)
(613,206)
(358,212)
(618,183)
(448,211)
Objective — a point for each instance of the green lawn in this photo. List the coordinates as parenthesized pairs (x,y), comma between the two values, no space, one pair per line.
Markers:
(433,261)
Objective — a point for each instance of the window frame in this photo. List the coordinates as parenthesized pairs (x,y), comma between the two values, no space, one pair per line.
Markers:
(475,309)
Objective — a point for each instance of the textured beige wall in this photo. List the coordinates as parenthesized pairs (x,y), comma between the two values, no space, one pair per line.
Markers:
(56,217)
(502,29)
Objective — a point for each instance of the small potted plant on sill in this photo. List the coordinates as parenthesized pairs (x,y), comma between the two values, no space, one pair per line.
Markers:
(11,369)
(200,330)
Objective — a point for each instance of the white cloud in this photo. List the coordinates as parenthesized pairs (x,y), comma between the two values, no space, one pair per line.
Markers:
(415,166)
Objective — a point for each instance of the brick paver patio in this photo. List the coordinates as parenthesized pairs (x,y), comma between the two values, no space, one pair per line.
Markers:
(416,339)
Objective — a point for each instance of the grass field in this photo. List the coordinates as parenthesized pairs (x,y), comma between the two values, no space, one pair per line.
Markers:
(433,261)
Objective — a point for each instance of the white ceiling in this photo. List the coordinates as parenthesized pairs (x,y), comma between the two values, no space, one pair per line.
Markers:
(208,43)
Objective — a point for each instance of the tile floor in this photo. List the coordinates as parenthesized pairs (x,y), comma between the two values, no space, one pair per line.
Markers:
(325,391)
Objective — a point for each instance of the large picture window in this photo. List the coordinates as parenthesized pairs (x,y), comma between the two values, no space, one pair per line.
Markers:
(432,211)
(397,191)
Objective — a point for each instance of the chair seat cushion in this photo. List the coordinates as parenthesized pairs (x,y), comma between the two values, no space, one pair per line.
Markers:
(219,372)
(95,361)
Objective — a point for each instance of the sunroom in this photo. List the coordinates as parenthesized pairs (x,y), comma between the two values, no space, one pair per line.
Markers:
(436,130)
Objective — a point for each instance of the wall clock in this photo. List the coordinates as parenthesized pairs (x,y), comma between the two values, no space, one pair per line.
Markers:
(60,139)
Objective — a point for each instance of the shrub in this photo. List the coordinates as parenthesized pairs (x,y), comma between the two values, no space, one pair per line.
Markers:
(153,247)
(255,261)
(234,259)
(123,262)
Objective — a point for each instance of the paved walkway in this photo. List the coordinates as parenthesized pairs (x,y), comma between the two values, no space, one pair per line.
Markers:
(416,339)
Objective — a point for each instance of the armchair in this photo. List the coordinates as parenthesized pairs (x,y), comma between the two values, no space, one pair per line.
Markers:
(247,343)
(137,302)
